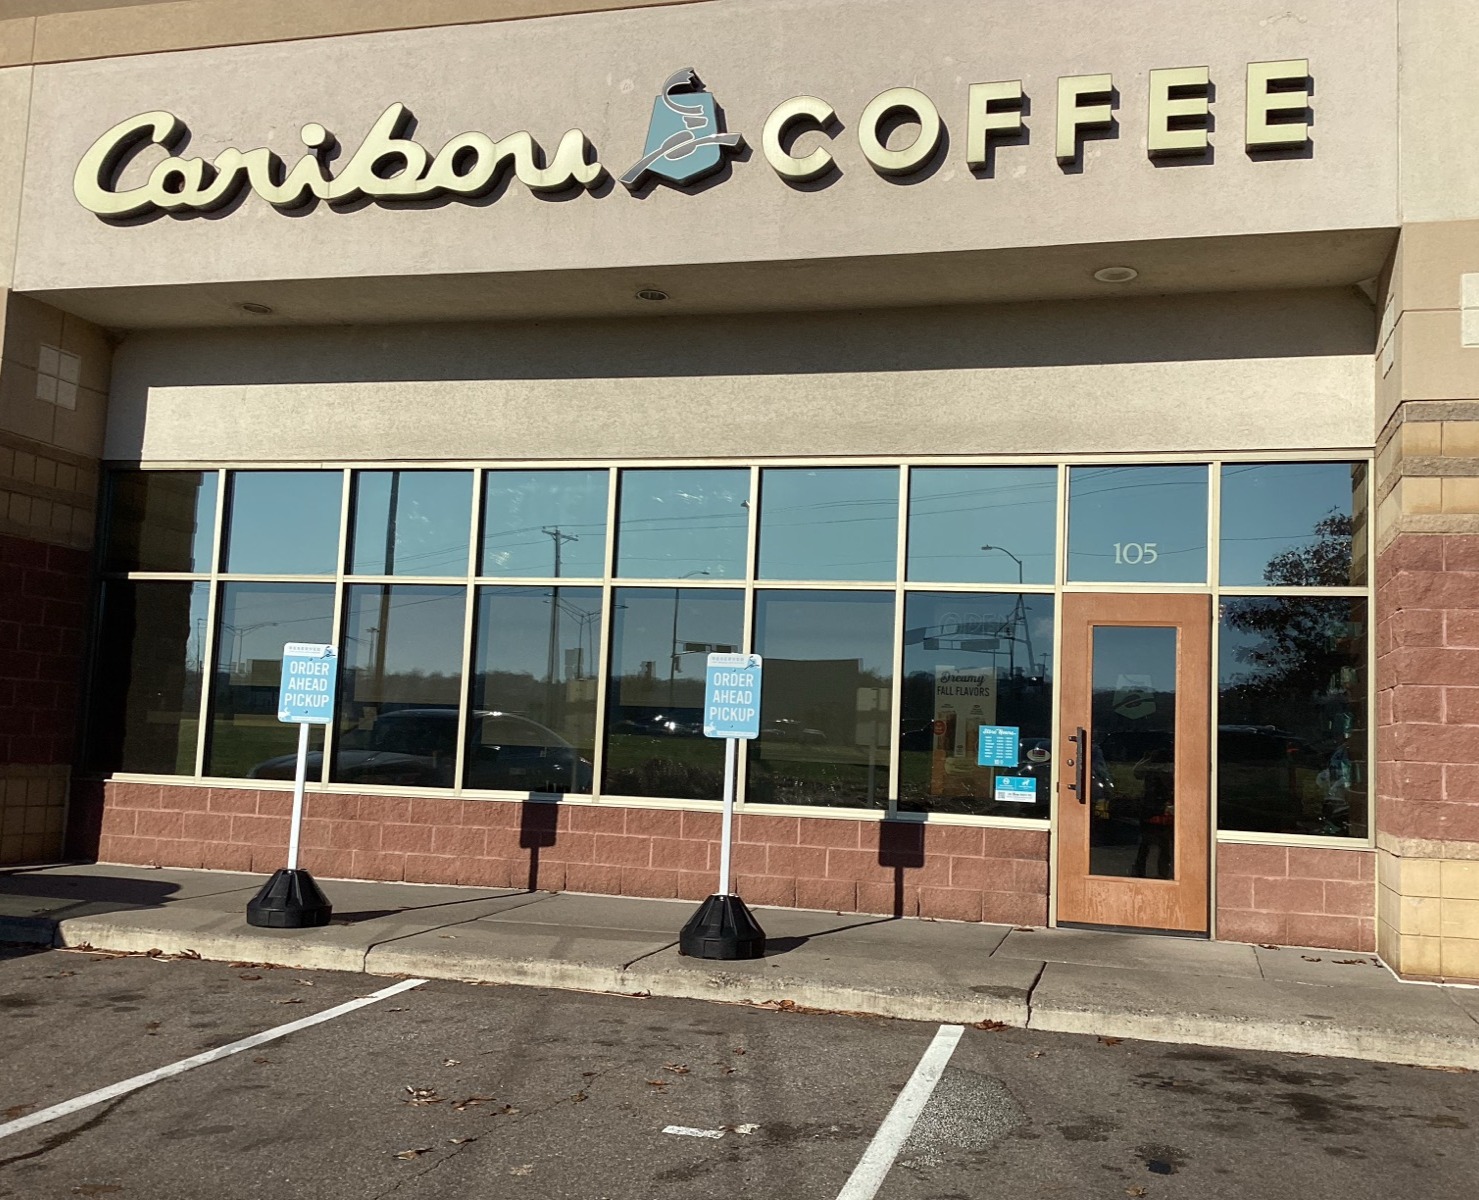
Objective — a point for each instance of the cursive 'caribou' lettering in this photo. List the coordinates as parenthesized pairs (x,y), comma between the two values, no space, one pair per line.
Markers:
(386,165)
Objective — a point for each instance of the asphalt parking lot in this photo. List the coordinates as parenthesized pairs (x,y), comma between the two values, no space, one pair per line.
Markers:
(455,1090)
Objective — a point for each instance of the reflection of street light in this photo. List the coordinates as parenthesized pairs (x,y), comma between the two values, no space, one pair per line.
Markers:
(1019,613)
(673,658)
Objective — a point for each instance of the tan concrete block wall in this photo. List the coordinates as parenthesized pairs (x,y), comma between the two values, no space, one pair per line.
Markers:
(1428,909)
(33,811)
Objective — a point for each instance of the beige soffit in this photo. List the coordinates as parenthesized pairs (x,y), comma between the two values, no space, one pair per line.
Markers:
(49,31)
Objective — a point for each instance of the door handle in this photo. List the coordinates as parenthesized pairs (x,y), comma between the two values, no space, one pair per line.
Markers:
(1078,762)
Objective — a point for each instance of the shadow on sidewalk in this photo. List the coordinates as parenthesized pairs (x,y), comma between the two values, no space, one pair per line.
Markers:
(34,892)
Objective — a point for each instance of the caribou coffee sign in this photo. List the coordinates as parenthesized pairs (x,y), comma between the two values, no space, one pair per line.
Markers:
(685,142)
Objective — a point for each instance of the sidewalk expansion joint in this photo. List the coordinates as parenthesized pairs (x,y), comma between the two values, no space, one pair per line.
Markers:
(1031,992)
(649,954)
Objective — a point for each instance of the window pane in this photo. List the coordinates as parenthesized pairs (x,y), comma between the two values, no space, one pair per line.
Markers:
(146,682)
(1292,722)
(1293,524)
(830,524)
(161,521)
(660,642)
(283,522)
(1132,763)
(683,523)
(538,523)
(1137,524)
(401,684)
(973,660)
(532,727)
(825,699)
(411,522)
(954,512)
(254,622)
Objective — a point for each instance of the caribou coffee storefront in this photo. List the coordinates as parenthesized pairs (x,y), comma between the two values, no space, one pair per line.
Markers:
(1030,395)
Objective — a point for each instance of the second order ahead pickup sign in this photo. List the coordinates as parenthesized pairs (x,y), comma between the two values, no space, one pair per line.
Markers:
(732,696)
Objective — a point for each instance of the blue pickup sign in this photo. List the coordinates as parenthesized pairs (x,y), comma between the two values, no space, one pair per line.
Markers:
(732,696)
(310,673)
(998,746)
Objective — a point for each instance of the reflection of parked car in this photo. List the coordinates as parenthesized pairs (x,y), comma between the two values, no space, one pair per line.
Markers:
(783,729)
(417,747)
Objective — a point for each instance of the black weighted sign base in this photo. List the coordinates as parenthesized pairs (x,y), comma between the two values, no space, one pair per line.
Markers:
(291,899)
(722,928)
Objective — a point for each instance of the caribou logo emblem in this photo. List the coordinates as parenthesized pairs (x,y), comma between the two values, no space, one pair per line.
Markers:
(684,138)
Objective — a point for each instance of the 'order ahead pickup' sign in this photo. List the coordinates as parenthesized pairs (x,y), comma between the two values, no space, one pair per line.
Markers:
(732,696)
(310,672)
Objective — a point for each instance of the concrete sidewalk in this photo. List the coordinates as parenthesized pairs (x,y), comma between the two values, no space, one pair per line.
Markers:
(1120,985)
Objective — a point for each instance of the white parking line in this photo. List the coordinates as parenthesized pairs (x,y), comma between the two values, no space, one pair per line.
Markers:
(873,1167)
(103,1095)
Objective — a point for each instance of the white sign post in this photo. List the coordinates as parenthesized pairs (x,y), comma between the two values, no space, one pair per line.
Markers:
(291,899)
(723,928)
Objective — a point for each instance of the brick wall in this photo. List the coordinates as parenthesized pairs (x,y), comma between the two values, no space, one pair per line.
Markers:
(43,614)
(1297,896)
(951,872)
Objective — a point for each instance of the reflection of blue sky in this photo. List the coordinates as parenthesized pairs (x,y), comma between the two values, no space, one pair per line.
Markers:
(837,523)
(1268,508)
(684,522)
(205,522)
(421,628)
(513,629)
(524,511)
(426,534)
(954,511)
(642,630)
(1136,506)
(257,619)
(284,522)
(823,626)
(956,622)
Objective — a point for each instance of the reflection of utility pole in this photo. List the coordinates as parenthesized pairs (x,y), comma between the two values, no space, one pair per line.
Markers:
(552,664)
(392,518)
(673,658)
(1019,614)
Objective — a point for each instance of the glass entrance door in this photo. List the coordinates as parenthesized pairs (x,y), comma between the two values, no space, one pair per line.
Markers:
(1134,743)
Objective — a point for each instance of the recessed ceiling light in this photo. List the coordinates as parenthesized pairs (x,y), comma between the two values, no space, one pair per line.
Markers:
(1115,274)
(257,310)
(651,294)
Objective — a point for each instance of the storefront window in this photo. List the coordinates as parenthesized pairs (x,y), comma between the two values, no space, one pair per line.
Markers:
(1293,524)
(825,701)
(973,660)
(254,621)
(544,523)
(161,521)
(1137,524)
(400,685)
(146,696)
(983,524)
(1291,738)
(660,642)
(283,522)
(680,524)
(532,726)
(838,523)
(411,522)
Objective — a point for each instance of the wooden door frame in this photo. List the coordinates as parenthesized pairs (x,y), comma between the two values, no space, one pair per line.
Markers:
(1183,904)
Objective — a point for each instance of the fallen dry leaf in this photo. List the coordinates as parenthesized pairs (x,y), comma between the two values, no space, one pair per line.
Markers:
(738,1050)
(249,977)
(421,1095)
(413,1152)
(1023,929)
(1349,962)
(470,1101)
(193,954)
(1037,1054)
(993,1026)
(397,1010)
(578,1098)
(676,1068)
(304,982)
(525,1169)
(1268,946)
(290,1000)
(460,1141)
(1134,1191)
(746,1129)
(261,1058)
(153,952)
(451,1062)
(657,1083)
(1111,1041)
(1310,958)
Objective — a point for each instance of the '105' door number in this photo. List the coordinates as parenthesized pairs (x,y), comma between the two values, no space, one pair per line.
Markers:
(1135,553)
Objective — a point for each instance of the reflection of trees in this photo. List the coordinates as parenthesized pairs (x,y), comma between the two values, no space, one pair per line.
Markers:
(1300,648)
